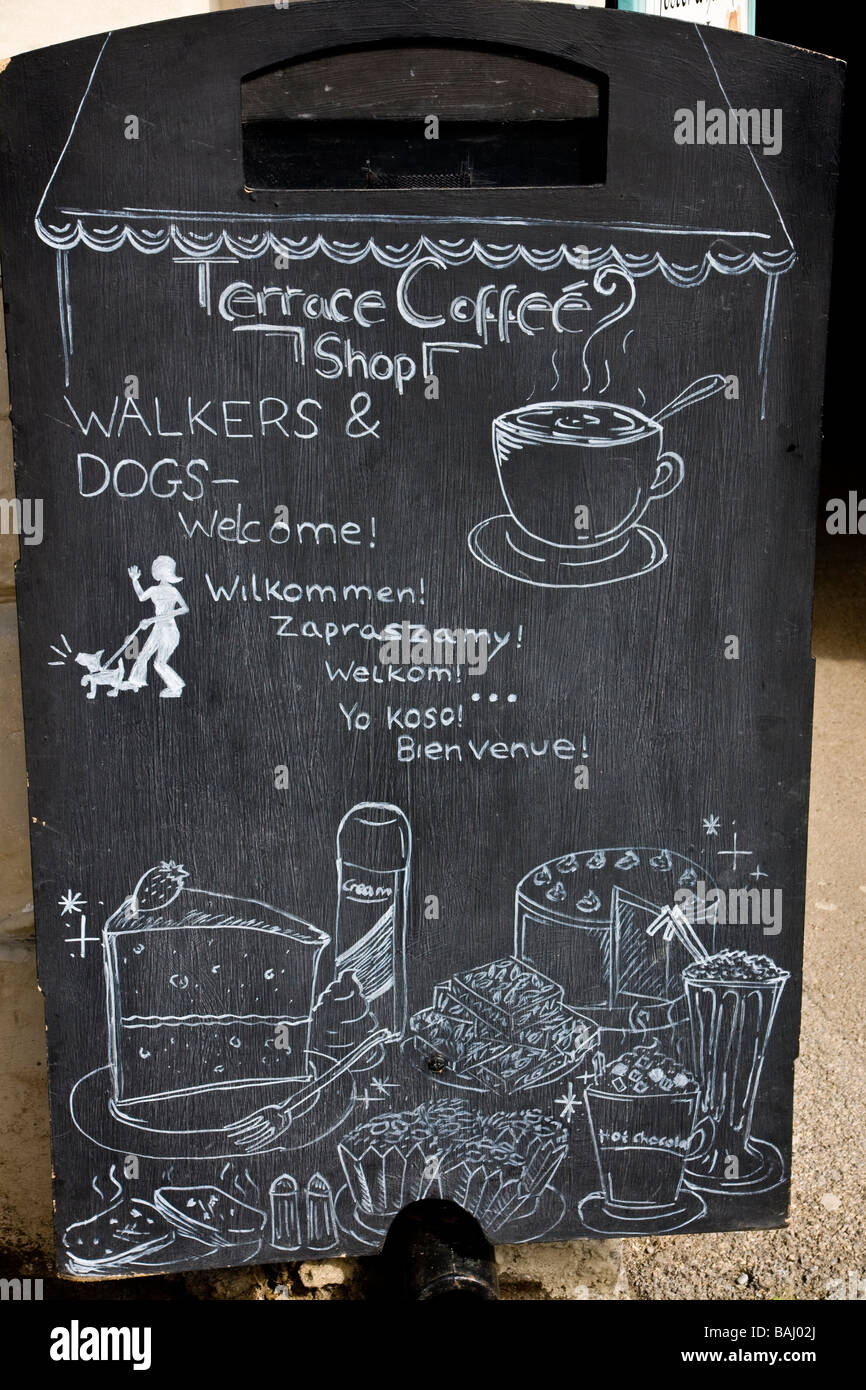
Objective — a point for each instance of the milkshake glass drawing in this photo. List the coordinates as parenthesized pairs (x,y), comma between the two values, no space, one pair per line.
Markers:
(733,998)
(374,846)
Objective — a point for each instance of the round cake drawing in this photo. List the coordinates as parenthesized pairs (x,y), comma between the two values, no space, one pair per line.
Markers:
(582,918)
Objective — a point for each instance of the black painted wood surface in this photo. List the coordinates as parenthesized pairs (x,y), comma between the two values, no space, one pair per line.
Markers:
(318,935)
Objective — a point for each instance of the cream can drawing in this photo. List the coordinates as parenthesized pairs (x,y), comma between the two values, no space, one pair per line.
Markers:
(374,849)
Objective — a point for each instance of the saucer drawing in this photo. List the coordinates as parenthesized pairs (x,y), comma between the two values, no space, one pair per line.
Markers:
(597,1216)
(765,1170)
(187,1126)
(371,1229)
(500,544)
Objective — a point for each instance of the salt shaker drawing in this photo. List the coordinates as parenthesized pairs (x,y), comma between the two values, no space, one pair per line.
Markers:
(285,1213)
(374,849)
(321,1220)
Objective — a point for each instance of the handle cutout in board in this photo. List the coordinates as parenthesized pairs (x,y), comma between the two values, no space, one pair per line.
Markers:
(424,116)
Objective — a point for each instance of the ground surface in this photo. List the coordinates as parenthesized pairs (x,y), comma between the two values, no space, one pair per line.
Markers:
(826,1238)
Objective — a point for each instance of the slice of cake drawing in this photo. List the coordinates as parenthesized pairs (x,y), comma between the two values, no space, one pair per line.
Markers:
(582,919)
(204,991)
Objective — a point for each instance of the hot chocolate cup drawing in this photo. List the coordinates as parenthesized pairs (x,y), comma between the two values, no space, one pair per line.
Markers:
(642,1144)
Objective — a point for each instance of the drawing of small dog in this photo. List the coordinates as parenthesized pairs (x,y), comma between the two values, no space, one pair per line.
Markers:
(113,677)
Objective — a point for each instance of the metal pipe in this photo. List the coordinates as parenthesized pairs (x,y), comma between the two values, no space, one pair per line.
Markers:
(438,1250)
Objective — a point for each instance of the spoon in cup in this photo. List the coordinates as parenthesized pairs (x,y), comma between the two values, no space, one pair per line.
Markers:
(698,391)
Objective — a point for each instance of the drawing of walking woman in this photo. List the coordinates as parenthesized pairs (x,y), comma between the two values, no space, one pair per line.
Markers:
(164,637)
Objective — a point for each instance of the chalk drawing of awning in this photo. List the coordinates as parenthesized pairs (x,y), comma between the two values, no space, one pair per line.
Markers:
(709,210)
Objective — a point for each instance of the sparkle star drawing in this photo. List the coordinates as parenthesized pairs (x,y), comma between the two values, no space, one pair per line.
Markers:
(382,1087)
(711,825)
(568,1103)
(71,902)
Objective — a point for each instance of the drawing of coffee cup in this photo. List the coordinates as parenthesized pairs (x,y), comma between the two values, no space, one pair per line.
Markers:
(642,1144)
(579,474)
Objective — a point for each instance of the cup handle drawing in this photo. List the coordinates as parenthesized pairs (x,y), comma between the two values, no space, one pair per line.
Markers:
(705,1132)
(669,474)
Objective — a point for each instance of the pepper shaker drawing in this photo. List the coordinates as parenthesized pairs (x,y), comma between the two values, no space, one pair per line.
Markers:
(374,851)
(285,1213)
(319,1209)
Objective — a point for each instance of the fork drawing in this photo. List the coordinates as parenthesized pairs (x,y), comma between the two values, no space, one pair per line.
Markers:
(259,1132)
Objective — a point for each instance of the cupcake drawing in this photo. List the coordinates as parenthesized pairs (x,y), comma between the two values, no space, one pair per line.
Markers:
(494,1166)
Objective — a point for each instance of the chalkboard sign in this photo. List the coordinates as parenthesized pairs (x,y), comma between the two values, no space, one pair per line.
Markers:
(416,652)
